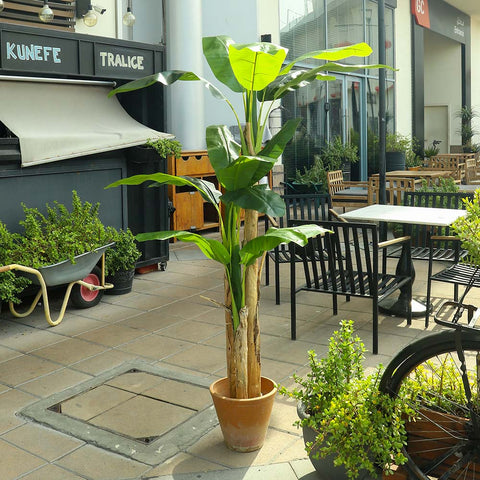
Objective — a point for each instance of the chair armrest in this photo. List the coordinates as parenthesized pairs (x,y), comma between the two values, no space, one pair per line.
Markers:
(351,183)
(394,241)
(445,237)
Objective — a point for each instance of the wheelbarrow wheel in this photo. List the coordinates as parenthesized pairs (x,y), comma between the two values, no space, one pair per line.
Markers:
(82,297)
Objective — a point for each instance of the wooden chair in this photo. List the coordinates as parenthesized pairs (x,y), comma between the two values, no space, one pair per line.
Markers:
(452,162)
(345,262)
(472,174)
(345,193)
(311,206)
(395,187)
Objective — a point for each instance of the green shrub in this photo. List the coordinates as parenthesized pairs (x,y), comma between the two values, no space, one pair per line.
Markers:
(361,427)
(166,147)
(124,254)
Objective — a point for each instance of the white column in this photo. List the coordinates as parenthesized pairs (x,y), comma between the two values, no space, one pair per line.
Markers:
(185,100)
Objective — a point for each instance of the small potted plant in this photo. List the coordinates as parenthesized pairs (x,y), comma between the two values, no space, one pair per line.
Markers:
(351,430)
(120,261)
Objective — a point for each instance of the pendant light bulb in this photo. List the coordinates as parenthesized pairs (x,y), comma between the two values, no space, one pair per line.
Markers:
(2,5)
(46,13)
(129,18)
(90,19)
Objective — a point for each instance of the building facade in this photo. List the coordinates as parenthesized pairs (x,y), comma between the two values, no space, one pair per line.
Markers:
(430,43)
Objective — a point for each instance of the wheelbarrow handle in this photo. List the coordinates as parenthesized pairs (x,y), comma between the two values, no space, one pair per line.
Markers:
(7,268)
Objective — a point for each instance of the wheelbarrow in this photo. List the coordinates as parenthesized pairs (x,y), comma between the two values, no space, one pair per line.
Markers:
(85,282)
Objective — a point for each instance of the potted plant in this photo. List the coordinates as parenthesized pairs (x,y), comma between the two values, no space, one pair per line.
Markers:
(396,148)
(351,430)
(335,155)
(257,73)
(120,261)
(165,147)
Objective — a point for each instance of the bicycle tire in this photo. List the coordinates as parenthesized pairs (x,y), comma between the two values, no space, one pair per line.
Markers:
(428,456)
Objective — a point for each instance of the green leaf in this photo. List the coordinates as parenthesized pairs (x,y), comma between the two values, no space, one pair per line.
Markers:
(290,82)
(244,172)
(255,65)
(206,189)
(212,249)
(215,50)
(222,148)
(257,198)
(168,78)
(274,237)
(275,146)
(333,54)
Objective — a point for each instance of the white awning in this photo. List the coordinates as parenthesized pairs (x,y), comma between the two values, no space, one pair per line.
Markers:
(55,121)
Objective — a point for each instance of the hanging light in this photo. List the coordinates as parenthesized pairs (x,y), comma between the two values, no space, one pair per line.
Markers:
(2,5)
(129,17)
(46,13)
(90,18)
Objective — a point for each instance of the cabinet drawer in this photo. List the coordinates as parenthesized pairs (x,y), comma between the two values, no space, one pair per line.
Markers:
(193,164)
(189,211)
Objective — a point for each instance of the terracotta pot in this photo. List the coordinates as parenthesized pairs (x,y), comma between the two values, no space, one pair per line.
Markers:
(244,422)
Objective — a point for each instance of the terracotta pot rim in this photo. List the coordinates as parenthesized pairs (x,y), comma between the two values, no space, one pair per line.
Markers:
(271,392)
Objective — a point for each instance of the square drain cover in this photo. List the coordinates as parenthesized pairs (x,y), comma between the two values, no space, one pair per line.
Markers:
(140,411)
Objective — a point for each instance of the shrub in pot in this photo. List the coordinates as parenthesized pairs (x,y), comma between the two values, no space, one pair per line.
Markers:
(351,430)
(120,261)
(258,74)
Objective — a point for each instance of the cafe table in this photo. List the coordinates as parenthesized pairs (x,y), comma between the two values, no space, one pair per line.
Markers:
(441,217)
(427,174)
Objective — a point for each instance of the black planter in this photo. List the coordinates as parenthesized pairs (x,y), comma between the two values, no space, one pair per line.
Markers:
(395,161)
(324,465)
(122,282)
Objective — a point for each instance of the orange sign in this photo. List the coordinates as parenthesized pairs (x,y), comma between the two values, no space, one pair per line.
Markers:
(420,12)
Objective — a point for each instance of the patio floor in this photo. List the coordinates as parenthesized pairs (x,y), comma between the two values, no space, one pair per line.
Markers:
(167,325)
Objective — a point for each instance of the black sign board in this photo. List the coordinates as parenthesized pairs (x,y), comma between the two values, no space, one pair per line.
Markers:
(36,50)
(38,53)
(448,21)
(122,62)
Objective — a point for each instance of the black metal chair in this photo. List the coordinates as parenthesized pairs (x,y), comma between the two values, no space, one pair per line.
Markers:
(433,243)
(310,206)
(444,250)
(346,262)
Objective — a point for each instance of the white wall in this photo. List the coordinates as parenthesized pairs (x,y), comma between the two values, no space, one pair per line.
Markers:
(403,62)
(443,80)
(475,29)
(238,20)
(107,23)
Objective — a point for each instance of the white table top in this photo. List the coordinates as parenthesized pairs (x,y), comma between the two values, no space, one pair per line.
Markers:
(400,214)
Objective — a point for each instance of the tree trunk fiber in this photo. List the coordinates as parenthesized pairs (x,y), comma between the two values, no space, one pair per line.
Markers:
(240,353)
(231,368)
(251,301)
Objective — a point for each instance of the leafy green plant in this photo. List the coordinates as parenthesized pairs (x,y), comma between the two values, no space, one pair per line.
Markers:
(445,185)
(466,116)
(258,74)
(124,254)
(467,228)
(59,235)
(331,157)
(363,428)
(166,147)
(10,284)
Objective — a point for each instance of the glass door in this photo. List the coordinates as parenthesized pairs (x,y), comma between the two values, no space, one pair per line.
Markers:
(346,117)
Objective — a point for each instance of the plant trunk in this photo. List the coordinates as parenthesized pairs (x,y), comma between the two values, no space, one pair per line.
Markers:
(231,370)
(251,302)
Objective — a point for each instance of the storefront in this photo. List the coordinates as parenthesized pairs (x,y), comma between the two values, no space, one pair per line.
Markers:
(60,132)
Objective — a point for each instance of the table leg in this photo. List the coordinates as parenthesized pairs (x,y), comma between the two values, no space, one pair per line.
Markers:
(399,306)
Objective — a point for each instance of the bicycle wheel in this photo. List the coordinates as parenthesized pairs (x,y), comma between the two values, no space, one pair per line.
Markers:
(444,443)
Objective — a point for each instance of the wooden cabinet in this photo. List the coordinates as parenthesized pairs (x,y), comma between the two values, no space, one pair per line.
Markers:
(191,211)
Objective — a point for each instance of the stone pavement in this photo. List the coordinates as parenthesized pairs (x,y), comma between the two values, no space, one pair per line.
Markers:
(137,365)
